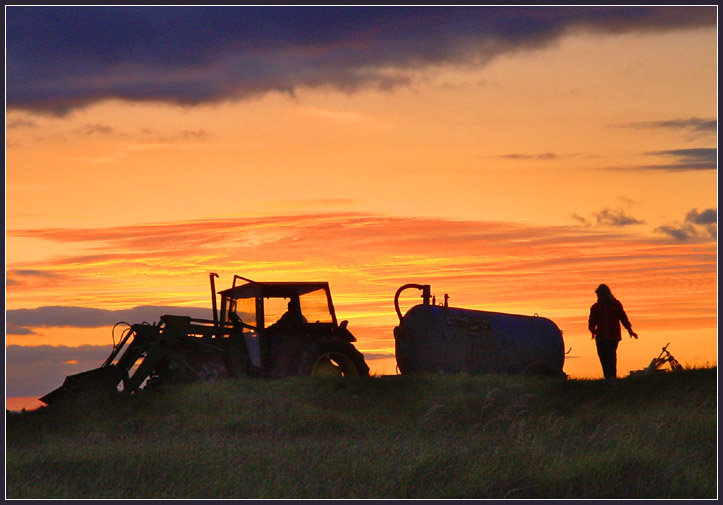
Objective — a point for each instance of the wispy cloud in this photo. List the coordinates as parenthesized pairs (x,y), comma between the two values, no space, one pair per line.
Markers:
(364,257)
(540,156)
(686,159)
(94,129)
(681,160)
(694,124)
(288,238)
(616,218)
(21,123)
(61,58)
(27,277)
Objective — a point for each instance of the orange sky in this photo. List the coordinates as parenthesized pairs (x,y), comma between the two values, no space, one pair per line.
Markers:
(514,186)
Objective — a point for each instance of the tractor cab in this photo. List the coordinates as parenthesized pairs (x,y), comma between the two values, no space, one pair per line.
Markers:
(259,305)
(271,312)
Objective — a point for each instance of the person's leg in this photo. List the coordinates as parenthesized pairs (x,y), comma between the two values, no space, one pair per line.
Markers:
(613,357)
(607,352)
(600,345)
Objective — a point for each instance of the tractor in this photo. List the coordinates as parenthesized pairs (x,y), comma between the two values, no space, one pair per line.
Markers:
(261,329)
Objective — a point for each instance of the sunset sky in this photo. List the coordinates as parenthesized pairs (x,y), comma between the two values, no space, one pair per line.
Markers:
(513,158)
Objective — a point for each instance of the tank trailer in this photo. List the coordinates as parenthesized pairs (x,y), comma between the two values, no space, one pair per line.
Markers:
(277,329)
(443,339)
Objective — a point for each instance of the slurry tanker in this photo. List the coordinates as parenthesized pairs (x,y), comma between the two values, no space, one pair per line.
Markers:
(440,338)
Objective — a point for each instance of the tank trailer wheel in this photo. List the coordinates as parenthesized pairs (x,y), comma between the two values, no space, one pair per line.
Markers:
(543,369)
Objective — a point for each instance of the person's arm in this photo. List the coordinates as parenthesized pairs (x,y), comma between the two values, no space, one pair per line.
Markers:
(626,322)
(591,321)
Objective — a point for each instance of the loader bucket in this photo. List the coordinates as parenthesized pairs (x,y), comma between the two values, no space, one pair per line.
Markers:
(103,379)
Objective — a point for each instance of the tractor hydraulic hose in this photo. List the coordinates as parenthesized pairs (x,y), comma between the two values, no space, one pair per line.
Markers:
(117,347)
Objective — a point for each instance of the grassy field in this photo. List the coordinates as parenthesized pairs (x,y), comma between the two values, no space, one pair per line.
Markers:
(378,438)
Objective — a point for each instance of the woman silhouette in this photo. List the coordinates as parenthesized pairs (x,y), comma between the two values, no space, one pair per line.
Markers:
(604,323)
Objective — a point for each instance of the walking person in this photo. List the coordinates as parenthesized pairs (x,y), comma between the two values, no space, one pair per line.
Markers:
(606,315)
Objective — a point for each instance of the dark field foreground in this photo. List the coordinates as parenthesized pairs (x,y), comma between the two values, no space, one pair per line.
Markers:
(381,437)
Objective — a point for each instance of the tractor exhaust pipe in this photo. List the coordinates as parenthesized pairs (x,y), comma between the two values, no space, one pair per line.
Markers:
(213,299)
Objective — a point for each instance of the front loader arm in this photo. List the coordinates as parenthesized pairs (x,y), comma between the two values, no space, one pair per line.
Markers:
(155,342)
(150,342)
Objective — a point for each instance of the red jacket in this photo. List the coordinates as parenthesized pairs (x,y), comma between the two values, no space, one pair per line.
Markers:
(605,318)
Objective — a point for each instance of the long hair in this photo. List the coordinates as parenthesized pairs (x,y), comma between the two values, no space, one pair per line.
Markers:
(604,294)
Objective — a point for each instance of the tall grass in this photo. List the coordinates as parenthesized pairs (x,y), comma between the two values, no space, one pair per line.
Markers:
(380,437)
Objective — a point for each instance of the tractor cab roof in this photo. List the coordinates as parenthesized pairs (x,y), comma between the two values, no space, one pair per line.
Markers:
(255,289)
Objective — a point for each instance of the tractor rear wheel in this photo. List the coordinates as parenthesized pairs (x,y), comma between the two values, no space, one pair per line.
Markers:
(330,356)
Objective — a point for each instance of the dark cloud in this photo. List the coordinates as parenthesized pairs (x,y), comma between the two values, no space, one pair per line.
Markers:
(681,233)
(25,355)
(194,134)
(20,321)
(609,217)
(60,58)
(694,124)
(25,277)
(696,226)
(20,123)
(541,156)
(687,159)
(682,160)
(615,217)
(95,129)
(33,273)
(708,216)
(13,329)
(37,370)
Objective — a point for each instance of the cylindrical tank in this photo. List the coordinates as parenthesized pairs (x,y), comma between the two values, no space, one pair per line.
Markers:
(432,338)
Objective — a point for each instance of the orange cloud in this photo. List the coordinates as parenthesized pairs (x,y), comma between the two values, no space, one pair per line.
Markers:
(366,257)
